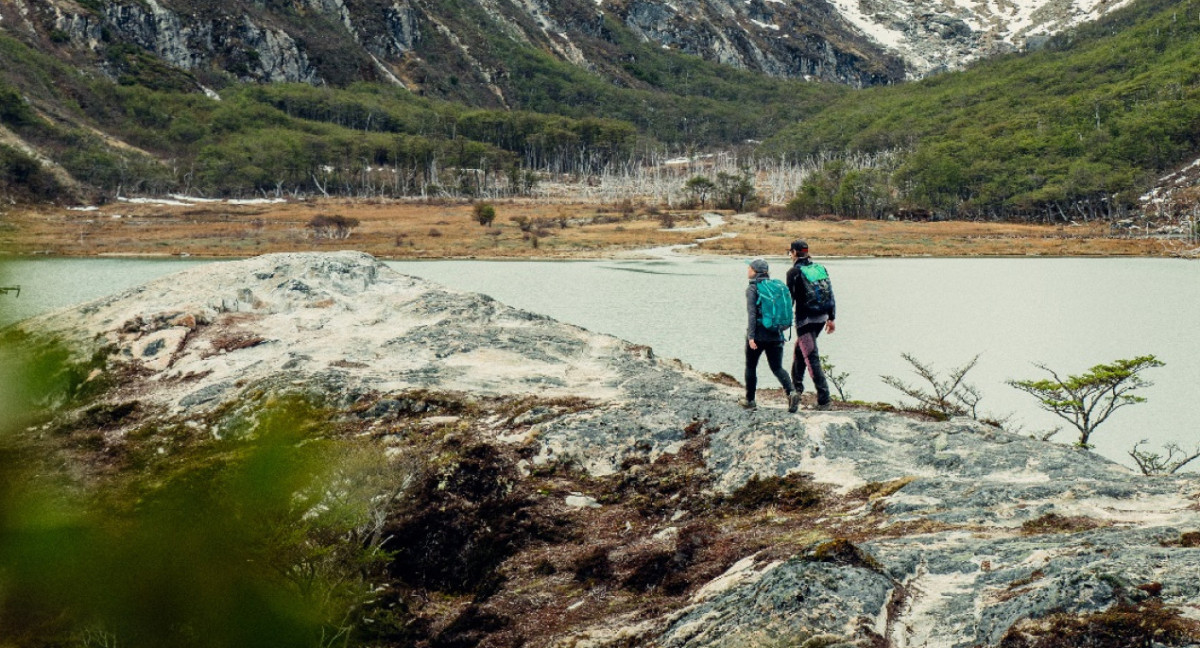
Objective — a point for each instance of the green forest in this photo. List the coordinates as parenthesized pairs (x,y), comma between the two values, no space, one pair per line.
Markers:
(1075,130)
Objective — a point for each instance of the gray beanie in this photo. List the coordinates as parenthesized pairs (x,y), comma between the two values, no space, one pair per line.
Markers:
(760,265)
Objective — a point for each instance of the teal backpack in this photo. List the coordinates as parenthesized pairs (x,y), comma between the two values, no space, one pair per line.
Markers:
(774,305)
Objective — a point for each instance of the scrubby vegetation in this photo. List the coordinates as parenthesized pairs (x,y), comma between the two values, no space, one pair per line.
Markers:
(1087,400)
(1074,131)
(390,522)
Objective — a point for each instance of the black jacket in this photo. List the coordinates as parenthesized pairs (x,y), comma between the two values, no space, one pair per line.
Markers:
(799,289)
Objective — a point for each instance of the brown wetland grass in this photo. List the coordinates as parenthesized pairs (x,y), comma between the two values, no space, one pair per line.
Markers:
(522,229)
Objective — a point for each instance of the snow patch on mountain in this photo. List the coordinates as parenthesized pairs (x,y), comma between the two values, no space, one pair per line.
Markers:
(934,36)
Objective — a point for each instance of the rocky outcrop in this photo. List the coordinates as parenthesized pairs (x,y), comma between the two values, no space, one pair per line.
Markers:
(934,533)
(855,42)
(232,41)
(799,40)
(937,36)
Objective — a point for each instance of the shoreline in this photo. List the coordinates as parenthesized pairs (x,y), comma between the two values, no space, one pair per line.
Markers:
(9,256)
(567,231)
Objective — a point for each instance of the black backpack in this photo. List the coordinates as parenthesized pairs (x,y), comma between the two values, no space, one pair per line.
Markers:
(819,293)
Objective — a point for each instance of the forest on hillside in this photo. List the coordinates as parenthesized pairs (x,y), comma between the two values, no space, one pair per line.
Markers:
(1075,131)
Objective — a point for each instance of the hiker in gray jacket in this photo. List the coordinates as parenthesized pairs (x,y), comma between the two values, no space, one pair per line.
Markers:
(760,340)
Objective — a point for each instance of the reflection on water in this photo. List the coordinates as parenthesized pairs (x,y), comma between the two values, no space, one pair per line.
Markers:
(1066,313)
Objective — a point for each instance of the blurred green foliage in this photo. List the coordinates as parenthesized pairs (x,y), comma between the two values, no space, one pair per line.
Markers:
(261,539)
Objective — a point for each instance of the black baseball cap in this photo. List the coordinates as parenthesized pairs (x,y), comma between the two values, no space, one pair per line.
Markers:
(800,245)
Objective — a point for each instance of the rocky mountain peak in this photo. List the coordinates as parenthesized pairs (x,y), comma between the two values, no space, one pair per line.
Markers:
(936,36)
(420,44)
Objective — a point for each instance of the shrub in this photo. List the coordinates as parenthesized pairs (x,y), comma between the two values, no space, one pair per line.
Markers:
(332,227)
(593,566)
(523,223)
(24,178)
(1121,626)
(460,522)
(1055,523)
(1087,400)
(485,214)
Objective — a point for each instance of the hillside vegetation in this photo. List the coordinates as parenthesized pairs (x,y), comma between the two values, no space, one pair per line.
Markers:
(152,130)
(1076,130)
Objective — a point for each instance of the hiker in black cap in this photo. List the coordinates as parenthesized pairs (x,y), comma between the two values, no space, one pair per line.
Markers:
(762,338)
(815,311)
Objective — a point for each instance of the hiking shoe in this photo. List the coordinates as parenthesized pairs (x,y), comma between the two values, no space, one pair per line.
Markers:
(825,407)
(793,402)
(747,404)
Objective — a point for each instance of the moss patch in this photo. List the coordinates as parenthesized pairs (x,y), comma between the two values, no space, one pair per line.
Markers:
(1055,523)
(1123,625)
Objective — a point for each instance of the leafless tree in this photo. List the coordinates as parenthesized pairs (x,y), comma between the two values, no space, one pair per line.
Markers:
(332,227)
(949,396)
(1154,463)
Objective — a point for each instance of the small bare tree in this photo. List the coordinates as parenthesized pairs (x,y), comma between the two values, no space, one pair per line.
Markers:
(1153,463)
(332,227)
(950,396)
(838,380)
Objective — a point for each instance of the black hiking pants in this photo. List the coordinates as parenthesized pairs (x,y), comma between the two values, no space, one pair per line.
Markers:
(774,351)
(808,358)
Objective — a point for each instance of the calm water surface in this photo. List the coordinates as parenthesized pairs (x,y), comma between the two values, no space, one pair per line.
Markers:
(1066,313)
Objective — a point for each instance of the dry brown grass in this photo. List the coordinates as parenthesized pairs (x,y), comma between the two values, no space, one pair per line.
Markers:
(406,230)
(953,239)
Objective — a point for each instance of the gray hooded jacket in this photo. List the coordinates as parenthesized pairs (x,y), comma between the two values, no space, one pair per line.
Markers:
(754,328)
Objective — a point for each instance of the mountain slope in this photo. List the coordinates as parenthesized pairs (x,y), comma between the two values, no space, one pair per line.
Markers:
(173,96)
(137,97)
(421,42)
(449,48)
(1076,130)
(935,36)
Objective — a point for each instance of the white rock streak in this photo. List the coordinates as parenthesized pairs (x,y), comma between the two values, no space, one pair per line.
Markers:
(307,314)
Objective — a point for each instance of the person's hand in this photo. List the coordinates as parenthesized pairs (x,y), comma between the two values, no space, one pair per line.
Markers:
(830,327)
(753,345)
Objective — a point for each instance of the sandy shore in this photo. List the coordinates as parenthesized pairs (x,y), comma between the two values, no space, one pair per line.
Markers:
(411,230)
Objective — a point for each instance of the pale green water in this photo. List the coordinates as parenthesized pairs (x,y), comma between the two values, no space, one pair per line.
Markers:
(1066,313)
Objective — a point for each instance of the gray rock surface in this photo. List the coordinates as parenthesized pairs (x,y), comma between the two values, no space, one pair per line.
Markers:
(969,529)
(855,42)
